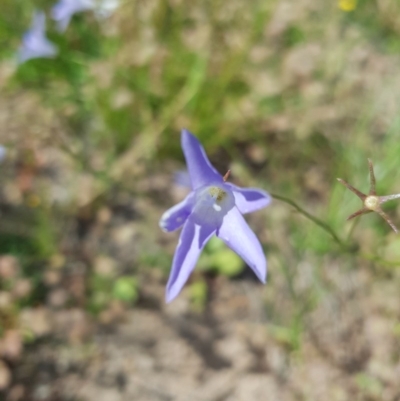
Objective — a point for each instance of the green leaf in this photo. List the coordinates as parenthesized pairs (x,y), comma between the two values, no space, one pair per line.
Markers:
(227,262)
(125,289)
(214,245)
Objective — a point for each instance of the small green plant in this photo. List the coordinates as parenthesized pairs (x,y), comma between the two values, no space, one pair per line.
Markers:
(125,289)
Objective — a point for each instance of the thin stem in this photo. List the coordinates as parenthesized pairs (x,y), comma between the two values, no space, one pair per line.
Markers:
(352,228)
(376,258)
(309,216)
(372,190)
(328,229)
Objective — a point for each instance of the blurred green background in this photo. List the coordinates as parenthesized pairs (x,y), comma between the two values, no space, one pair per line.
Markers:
(289,95)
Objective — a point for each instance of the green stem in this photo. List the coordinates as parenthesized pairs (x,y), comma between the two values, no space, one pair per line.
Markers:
(352,228)
(331,232)
(375,258)
(314,219)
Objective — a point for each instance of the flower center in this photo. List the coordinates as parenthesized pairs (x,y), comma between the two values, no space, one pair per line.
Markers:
(212,204)
(218,194)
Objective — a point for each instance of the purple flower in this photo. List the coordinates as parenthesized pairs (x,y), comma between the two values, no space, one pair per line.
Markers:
(182,178)
(63,11)
(34,42)
(212,207)
(3,153)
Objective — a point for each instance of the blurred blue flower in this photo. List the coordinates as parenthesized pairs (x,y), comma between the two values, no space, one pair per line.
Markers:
(63,11)
(212,207)
(3,152)
(34,42)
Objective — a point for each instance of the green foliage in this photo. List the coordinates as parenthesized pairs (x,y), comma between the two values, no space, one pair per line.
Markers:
(216,257)
(125,289)
(370,385)
(198,294)
(289,337)
(293,36)
(104,289)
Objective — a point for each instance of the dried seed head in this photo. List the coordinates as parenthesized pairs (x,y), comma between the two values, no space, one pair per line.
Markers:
(372,202)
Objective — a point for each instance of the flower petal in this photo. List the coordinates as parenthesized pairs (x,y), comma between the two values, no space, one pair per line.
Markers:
(200,169)
(191,242)
(236,233)
(249,199)
(63,11)
(39,22)
(177,215)
(182,178)
(3,153)
(34,42)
